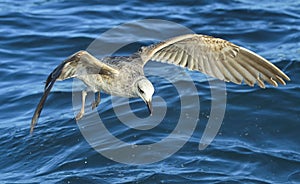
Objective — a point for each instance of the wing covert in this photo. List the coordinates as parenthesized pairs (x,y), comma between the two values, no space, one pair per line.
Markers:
(217,58)
(80,63)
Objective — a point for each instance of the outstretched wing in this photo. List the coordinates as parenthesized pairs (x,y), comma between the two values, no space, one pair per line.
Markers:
(80,63)
(215,57)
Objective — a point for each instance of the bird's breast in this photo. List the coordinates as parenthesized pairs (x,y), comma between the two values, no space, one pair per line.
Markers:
(121,84)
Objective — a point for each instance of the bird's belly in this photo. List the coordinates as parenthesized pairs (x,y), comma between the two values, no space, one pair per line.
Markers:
(108,85)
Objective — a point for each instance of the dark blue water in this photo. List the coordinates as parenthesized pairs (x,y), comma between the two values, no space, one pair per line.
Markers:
(259,138)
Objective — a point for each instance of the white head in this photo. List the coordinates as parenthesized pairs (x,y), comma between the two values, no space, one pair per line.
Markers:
(144,89)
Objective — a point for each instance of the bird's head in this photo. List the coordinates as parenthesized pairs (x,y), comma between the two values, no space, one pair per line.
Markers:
(144,89)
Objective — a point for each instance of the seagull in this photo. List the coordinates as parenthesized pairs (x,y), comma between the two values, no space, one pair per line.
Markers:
(124,75)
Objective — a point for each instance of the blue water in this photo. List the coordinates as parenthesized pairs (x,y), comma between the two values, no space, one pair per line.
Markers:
(259,138)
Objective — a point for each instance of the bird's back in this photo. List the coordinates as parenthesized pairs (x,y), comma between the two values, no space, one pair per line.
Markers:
(121,84)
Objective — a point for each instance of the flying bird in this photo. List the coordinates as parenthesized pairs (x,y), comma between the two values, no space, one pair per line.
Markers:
(124,75)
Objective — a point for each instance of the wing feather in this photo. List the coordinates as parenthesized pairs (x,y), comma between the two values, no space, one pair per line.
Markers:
(215,57)
(80,63)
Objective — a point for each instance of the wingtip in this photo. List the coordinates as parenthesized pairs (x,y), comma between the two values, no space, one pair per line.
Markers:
(287,78)
(283,76)
(33,123)
(31,131)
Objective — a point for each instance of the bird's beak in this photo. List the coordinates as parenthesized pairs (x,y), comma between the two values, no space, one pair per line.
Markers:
(149,105)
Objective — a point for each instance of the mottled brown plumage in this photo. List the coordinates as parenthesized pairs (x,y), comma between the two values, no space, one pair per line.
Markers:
(124,76)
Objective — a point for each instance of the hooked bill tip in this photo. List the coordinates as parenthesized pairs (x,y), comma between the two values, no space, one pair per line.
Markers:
(149,105)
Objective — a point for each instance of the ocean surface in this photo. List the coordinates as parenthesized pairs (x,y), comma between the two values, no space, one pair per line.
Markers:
(258,140)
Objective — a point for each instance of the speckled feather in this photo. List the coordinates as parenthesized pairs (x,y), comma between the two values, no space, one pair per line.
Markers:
(118,75)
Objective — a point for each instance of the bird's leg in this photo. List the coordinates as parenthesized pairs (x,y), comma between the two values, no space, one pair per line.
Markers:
(96,102)
(81,112)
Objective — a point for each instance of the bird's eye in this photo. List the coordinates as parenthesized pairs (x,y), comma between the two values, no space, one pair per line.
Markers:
(140,90)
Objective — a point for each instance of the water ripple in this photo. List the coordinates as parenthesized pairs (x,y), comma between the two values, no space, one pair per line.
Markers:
(258,141)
